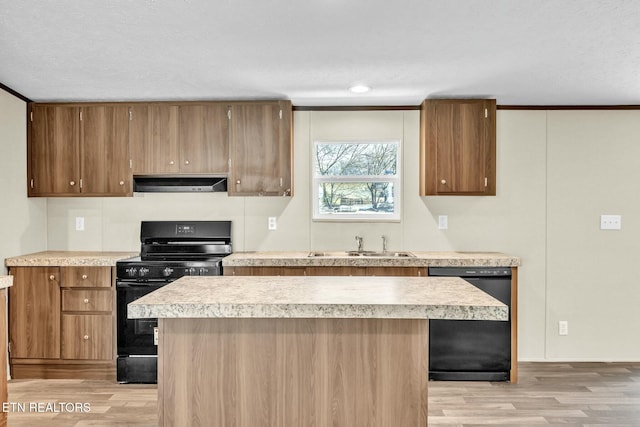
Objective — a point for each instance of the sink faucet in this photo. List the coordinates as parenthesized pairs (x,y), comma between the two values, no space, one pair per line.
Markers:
(359,240)
(384,243)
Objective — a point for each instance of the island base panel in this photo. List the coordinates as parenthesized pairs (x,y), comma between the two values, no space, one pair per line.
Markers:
(293,372)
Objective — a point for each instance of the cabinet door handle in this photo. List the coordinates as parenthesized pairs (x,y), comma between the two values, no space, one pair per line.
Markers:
(443,181)
(237,181)
(86,337)
(86,300)
(121,182)
(186,162)
(72,183)
(52,277)
(84,276)
(172,162)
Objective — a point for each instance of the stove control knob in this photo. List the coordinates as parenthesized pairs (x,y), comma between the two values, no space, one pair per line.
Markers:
(167,271)
(143,271)
(204,271)
(191,271)
(131,271)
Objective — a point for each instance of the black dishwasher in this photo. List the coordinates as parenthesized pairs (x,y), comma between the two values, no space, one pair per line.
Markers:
(472,350)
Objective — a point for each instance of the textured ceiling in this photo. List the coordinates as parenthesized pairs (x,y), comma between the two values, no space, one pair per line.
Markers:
(538,52)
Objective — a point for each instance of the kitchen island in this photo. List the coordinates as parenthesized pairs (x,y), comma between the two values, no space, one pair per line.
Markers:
(301,351)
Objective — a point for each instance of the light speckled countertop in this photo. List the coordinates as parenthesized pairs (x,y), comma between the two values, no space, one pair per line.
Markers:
(341,259)
(319,297)
(6,281)
(68,259)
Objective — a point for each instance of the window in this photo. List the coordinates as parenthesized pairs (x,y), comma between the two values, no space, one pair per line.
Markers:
(356,180)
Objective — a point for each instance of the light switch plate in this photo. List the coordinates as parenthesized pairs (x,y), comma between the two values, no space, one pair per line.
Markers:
(79,223)
(443,222)
(563,327)
(610,222)
(273,223)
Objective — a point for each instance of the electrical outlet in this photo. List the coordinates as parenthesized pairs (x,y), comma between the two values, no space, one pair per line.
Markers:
(563,327)
(79,223)
(610,222)
(273,223)
(443,222)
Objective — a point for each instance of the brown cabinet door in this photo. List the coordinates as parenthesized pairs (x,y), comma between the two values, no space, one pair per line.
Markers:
(259,145)
(105,150)
(54,150)
(336,271)
(458,151)
(87,300)
(3,355)
(34,313)
(153,138)
(87,336)
(204,138)
(286,148)
(85,277)
(395,271)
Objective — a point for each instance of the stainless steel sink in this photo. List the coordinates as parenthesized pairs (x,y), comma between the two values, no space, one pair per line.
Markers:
(387,254)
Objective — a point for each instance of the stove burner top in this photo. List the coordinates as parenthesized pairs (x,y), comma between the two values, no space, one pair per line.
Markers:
(172,249)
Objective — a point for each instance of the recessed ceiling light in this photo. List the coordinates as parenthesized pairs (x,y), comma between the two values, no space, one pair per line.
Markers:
(359,89)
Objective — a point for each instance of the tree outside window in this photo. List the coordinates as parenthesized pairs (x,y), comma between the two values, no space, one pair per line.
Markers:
(356,180)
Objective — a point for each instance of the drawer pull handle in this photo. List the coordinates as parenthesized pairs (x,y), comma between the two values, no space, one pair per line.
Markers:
(86,337)
(86,300)
(121,182)
(84,276)
(72,183)
(443,181)
(52,277)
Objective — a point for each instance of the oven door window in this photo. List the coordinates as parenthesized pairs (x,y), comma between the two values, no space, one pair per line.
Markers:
(135,336)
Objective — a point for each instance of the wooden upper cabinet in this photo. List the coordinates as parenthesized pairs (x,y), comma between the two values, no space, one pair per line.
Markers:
(190,138)
(79,150)
(204,138)
(153,138)
(458,147)
(95,149)
(105,150)
(261,149)
(54,151)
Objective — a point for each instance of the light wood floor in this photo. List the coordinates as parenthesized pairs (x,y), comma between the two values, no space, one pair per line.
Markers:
(561,394)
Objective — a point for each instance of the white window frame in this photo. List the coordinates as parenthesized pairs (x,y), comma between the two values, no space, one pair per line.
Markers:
(396,180)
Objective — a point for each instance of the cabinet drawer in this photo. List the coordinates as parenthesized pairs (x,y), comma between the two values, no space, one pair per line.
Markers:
(85,277)
(87,300)
(87,336)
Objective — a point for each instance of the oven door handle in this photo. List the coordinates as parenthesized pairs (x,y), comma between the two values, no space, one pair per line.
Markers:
(140,284)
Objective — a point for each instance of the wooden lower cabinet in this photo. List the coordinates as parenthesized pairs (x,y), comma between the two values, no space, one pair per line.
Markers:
(3,355)
(87,336)
(396,271)
(325,271)
(62,322)
(34,313)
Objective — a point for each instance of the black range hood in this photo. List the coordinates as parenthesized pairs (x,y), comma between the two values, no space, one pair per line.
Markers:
(178,184)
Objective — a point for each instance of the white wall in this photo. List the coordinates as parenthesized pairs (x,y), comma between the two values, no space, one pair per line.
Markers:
(22,220)
(593,169)
(557,172)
